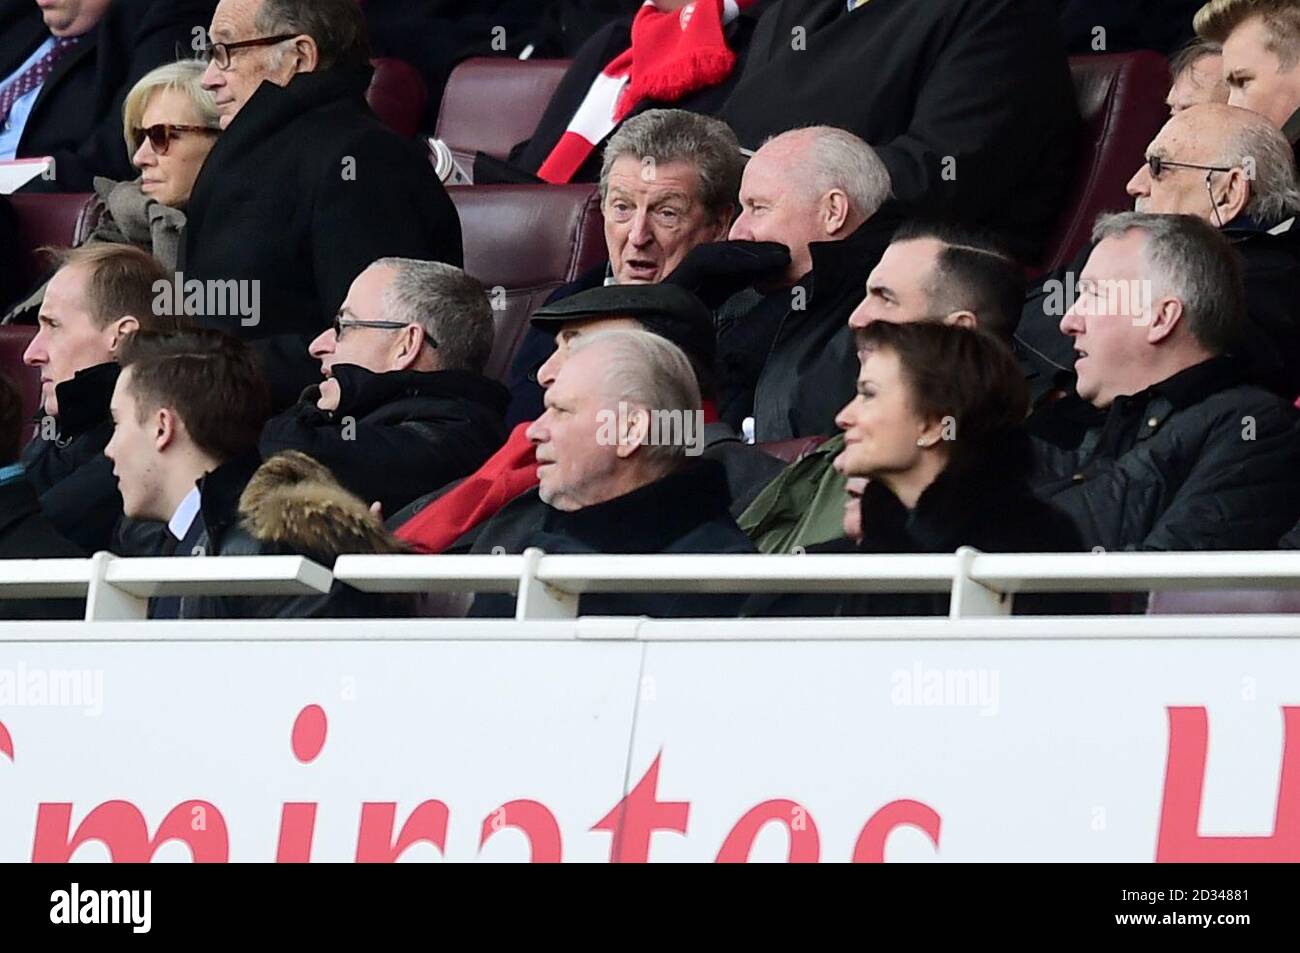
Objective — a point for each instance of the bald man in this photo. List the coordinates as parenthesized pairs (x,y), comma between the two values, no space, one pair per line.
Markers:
(1230,167)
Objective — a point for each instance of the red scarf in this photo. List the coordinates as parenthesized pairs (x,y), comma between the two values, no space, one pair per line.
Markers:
(672,55)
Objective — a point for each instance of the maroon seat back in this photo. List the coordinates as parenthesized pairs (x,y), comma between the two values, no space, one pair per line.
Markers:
(791,451)
(56,220)
(523,242)
(14,339)
(1121,98)
(398,95)
(492,103)
(1224,602)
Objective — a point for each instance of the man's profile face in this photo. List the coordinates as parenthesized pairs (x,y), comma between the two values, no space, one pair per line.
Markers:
(576,468)
(773,208)
(64,18)
(1178,191)
(1255,77)
(232,22)
(653,217)
(898,287)
(370,348)
(68,339)
(134,452)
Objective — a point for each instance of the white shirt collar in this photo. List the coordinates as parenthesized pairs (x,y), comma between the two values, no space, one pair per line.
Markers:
(183,518)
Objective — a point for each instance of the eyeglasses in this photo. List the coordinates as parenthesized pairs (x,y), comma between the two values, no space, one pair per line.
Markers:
(1157,165)
(160,136)
(219,53)
(341,322)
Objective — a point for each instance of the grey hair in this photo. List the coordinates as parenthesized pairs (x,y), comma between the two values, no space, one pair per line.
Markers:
(1265,152)
(1189,259)
(451,306)
(1191,54)
(675,135)
(840,160)
(337,26)
(649,372)
(182,76)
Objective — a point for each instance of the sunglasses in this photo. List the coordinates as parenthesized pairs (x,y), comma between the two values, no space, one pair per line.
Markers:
(1158,164)
(160,136)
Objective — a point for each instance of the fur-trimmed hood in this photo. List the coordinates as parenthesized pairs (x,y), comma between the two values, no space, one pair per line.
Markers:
(293,503)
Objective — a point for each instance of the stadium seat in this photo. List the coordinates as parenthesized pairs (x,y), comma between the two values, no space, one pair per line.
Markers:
(1224,602)
(791,451)
(1122,101)
(58,220)
(514,93)
(14,339)
(397,95)
(523,242)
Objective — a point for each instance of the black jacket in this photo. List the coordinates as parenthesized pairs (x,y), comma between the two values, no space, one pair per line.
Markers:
(67,466)
(981,499)
(685,512)
(1270,271)
(77,117)
(398,435)
(1201,460)
(607,43)
(983,83)
(302,192)
(25,533)
(800,363)
(286,506)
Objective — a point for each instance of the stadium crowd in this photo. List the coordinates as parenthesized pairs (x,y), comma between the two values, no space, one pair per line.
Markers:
(825,222)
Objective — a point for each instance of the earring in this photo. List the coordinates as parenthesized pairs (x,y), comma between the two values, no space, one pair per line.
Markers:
(922,443)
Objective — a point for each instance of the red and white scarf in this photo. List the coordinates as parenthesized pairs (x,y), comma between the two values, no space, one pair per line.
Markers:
(672,54)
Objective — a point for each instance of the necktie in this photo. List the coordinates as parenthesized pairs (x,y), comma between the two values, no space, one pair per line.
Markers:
(34,76)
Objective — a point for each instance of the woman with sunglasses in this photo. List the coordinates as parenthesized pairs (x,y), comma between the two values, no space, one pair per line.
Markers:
(170,126)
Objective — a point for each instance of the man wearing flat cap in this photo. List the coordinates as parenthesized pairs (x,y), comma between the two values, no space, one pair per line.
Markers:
(449,520)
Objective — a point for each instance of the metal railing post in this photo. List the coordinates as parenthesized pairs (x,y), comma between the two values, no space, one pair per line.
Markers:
(104,601)
(536,599)
(971,598)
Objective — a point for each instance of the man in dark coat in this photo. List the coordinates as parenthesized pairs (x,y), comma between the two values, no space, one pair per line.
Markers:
(1251,195)
(404,407)
(98,297)
(622,419)
(98,50)
(786,356)
(1188,455)
(305,187)
(969,102)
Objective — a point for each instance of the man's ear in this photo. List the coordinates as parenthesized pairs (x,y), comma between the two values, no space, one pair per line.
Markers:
(1235,196)
(166,428)
(1166,313)
(120,329)
(306,55)
(407,348)
(722,227)
(835,210)
(634,432)
(963,319)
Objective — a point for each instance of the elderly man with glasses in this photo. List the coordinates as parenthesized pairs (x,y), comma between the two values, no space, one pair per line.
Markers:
(1230,168)
(404,407)
(306,187)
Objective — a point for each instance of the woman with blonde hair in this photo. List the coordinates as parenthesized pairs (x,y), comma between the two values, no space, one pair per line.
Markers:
(169,122)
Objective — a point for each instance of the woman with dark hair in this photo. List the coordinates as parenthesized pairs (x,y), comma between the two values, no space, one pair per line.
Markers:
(936,430)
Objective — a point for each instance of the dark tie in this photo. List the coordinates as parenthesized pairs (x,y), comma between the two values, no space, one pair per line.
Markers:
(34,76)
(194,544)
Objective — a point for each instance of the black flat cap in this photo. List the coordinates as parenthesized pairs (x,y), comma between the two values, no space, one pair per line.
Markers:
(669,311)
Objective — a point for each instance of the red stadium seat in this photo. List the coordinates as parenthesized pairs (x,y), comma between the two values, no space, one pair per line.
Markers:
(57,220)
(1122,100)
(1224,602)
(523,242)
(14,339)
(791,451)
(397,95)
(492,103)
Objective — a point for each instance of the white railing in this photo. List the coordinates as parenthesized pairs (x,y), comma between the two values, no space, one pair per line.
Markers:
(548,587)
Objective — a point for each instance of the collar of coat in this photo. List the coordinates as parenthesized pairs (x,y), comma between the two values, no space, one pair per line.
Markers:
(84,400)
(650,518)
(843,266)
(219,493)
(363,391)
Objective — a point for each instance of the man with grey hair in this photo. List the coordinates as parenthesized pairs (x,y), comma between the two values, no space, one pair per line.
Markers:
(1188,455)
(787,359)
(668,184)
(404,407)
(308,187)
(1230,168)
(618,473)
